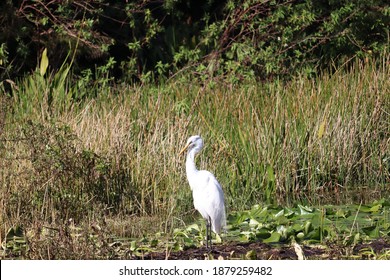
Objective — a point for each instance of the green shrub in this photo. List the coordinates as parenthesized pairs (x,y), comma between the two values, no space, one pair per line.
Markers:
(149,40)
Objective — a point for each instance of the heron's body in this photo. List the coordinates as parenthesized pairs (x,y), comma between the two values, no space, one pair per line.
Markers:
(207,193)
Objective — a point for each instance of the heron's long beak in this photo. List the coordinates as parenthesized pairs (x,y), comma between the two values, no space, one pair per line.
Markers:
(184,149)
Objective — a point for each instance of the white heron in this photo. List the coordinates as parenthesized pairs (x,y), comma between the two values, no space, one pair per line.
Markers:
(207,193)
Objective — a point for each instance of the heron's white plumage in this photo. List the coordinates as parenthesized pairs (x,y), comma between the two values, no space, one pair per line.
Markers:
(206,191)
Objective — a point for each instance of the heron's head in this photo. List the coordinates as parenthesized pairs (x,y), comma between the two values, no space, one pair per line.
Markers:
(194,142)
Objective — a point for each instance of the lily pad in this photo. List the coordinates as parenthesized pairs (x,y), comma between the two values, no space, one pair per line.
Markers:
(275,237)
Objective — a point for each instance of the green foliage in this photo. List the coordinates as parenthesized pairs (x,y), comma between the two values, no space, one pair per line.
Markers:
(276,38)
(275,225)
(233,40)
(44,63)
(51,93)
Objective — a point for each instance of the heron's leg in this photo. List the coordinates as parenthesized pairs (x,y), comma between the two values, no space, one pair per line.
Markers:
(209,232)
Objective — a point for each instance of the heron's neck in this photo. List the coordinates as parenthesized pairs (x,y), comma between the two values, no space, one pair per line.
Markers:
(190,165)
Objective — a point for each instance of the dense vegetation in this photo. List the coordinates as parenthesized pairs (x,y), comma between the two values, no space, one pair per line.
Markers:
(291,97)
(145,40)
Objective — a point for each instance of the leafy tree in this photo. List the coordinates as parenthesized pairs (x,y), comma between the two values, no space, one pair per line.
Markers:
(146,39)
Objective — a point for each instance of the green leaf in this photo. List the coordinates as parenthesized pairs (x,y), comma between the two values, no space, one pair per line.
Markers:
(282,220)
(194,228)
(314,234)
(365,209)
(263,233)
(308,227)
(247,235)
(340,213)
(275,237)
(253,222)
(257,211)
(376,208)
(44,62)
(371,231)
(304,210)
(279,214)
(189,241)
(133,245)
(288,213)
(270,174)
(177,247)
